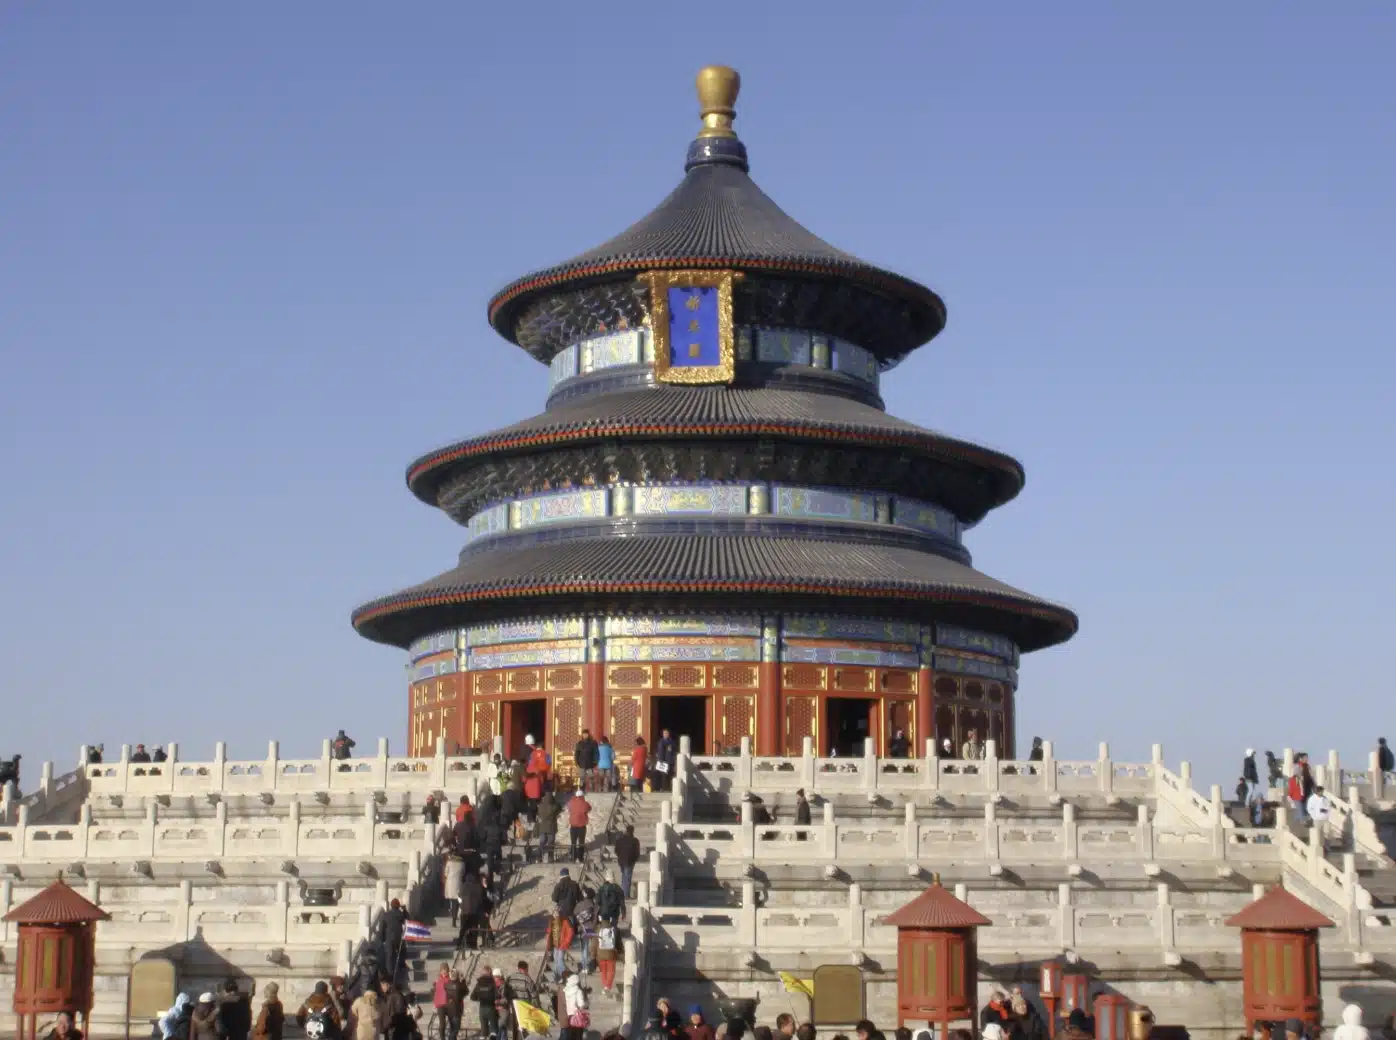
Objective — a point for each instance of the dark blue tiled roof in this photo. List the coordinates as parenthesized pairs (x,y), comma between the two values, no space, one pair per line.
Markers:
(718,217)
(695,567)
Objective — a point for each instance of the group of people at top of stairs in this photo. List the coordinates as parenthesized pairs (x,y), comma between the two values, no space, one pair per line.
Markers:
(998,1023)
(1302,793)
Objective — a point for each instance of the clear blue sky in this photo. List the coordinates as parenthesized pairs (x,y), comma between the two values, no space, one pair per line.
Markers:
(245,252)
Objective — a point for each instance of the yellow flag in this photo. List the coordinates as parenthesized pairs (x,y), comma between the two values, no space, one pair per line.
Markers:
(794,985)
(532,1019)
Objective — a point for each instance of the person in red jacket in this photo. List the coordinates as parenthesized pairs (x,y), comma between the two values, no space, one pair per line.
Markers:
(638,760)
(537,760)
(578,816)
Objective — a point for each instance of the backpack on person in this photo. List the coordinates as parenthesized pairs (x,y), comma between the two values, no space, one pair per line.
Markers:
(606,938)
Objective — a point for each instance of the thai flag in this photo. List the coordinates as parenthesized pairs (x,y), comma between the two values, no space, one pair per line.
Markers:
(415,931)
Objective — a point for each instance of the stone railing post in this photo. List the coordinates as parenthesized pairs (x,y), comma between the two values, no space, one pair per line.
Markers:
(220,761)
(991,832)
(1105,769)
(652,893)
(272,766)
(1167,932)
(1144,834)
(7,897)
(746,921)
(830,835)
(1069,837)
(151,822)
(744,768)
(183,916)
(1219,821)
(125,767)
(280,920)
(7,802)
(365,922)
(808,777)
(913,832)
(1049,768)
(685,745)
(326,763)
(220,828)
(1378,777)
(21,824)
(380,767)
(869,764)
(1335,772)
(83,752)
(748,830)
(991,765)
(855,917)
(82,834)
(1067,917)
(497,746)
(46,780)
(438,765)
(1288,765)
(931,780)
(293,822)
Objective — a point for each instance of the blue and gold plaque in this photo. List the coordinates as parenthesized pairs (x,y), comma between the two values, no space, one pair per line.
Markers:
(691,319)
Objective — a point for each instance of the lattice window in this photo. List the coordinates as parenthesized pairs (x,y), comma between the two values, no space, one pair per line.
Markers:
(995,694)
(737,715)
(629,676)
(486,712)
(735,675)
(681,675)
(804,675)
(625,722)
(801,720)
(564,678)
(524,680)
(974,691)
(567,722)
(489,683)
(852,679)
(899,682)
(947,687)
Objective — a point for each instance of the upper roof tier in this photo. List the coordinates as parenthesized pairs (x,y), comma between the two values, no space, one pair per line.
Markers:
(717,218)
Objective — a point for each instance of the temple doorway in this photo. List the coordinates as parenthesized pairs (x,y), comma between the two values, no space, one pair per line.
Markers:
(848,723)
(523,719)
(683,717)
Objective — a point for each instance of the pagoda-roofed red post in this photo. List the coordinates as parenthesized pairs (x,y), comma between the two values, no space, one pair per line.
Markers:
(56,953)
(1279,959)
(937,960)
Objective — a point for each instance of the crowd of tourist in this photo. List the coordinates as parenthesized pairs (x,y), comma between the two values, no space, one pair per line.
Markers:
(1302,793)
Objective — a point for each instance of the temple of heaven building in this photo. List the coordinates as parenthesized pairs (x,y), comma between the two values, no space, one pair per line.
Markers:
(713,526)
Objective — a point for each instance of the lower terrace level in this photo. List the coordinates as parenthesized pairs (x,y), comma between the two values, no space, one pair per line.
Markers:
(775,681)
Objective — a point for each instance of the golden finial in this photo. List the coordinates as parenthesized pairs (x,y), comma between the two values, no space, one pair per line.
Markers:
(717,98)
(935,878)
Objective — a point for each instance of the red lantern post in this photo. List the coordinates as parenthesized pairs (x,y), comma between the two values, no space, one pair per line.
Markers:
(53,968)
(1049,987)
(1112,1017)
(937,960)
(1279,959)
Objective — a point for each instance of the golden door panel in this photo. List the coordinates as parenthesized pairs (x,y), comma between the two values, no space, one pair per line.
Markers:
(486,723)
(801,720)
(736,719)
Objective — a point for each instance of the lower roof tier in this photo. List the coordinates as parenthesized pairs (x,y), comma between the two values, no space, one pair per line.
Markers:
(714,573)
(967,479)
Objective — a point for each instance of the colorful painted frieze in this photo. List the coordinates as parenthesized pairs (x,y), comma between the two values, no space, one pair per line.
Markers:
(851,628)
(683,648)
(782,346)
(961,665)
(854,361)
(727,625)
(697,499)
(490,520)
(451,639)
(922,516)
(616,348)
(816,504)
(871,655)
(564,365)
(522,655)
(953,638)
(447,664)
(525,631)
(559,507)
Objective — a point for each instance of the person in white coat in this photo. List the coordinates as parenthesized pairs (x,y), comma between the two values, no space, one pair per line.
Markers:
(1317,806)
(1352,1027)
(452,883)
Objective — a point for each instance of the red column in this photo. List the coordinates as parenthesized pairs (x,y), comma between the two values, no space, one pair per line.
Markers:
(594,697)
(768,714)
(925,712)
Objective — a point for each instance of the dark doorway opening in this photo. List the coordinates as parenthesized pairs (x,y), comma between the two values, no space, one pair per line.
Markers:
(682,717)
(524,719)
(849,724)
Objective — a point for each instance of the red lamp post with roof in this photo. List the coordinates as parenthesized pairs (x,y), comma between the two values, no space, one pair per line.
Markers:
(1279,959)
(53,966)
(937,960)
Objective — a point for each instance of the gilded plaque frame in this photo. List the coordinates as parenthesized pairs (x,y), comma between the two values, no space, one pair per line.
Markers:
(660,282)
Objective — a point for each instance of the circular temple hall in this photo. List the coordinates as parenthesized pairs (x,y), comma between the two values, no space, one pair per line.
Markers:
(714,526)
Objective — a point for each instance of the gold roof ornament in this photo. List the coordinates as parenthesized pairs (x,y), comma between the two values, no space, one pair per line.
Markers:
(718,87)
